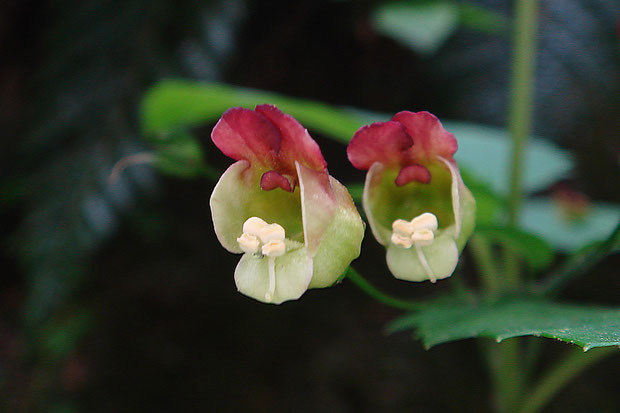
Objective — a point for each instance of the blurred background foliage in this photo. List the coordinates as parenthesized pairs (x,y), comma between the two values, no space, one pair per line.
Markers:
(115,296)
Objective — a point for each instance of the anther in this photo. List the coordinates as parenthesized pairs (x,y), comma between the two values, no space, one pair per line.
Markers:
(425,221)
(423,237)
(249,243)
(274,249)
(272,232)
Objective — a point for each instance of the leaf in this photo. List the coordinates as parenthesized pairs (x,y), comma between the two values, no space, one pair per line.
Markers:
(544,217)
(535,250)
(422,27)
(179,155)
(485,151)
(174,104)
(451,320)
(481,18)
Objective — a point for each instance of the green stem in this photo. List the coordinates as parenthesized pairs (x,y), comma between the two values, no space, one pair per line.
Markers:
(559,375)
(506,373)
(365,286)
(485,261)
(521,93)
(507,369)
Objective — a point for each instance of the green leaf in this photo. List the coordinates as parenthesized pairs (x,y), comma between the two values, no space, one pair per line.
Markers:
(451,320)
(485,152)
(488,203)
(174,104)
(179,155)
(423,27)
(482,18)
(544,217)
(533,249)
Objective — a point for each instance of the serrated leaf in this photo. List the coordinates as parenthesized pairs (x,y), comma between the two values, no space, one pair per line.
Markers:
(422,27)
(533,249)
(445,321)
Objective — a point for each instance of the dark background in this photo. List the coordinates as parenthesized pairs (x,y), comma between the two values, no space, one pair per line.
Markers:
(121,299)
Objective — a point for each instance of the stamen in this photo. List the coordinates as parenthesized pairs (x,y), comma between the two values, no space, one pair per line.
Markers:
(401,241)
(249,243)
(272,279)
(253,225)
(425,221)
(402,228)
(274,249)
(427,268)
(272,232)
(260,236)
(423,237)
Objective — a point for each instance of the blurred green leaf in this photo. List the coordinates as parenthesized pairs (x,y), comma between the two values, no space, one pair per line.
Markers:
(420,26)
(447,321)
(481,18)
(180,156)
(488,204)
(173,104)
(533,249)
(545,217)
(485,151)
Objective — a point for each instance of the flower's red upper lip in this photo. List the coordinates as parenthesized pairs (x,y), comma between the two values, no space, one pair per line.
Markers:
(408,142)
(409,138)
(268,139)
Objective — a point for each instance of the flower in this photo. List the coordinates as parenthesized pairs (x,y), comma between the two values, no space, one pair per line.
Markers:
(296,226)
(415,200)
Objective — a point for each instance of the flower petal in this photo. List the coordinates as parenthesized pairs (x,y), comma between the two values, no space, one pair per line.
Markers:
(463,205)
(441,256)
(430,139)
(385,142)
(244,134)
(238,196)
(385,202)
(293,272)
(296,144)
(341,241)
(317,205)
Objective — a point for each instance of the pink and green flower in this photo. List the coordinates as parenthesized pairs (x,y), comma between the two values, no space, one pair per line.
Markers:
(416,202)
(295,225)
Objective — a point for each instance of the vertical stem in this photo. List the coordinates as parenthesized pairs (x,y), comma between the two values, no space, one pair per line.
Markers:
(559,375)
(487,267)
(521,93)
(506,368)
(506,374)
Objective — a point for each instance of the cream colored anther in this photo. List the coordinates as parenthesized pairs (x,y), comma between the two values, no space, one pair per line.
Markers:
(423,237)
(274,249)
(424,221)
(254,225)
(272,232)
(402,227)
(418,231)
(249,243)
(259,236)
